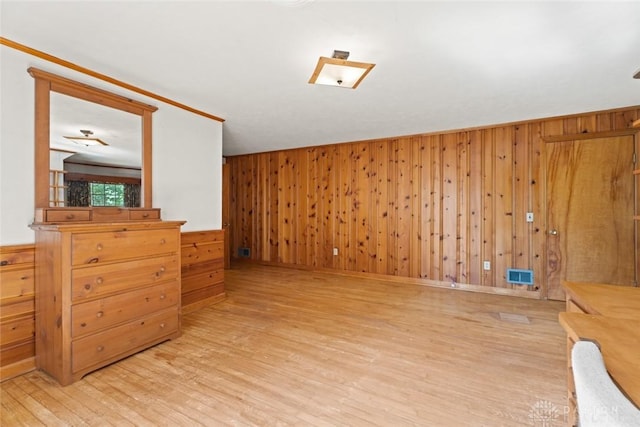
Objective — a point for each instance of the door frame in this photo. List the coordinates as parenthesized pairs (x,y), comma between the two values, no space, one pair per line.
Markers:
(633,132)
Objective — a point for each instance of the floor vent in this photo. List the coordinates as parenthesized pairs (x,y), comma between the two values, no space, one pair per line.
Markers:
(244,252)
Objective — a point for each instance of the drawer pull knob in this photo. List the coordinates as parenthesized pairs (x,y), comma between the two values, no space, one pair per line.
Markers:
(99,314)
(145,215)
(99,348)
(87,286)
(99,246)
(163,269)
(83,324)
(162,325)
(93,260)
(99,280)
(163,296)
(70,216)
(163,241)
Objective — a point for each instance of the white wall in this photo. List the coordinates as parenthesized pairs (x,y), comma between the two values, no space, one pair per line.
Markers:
(188,168)
(187,153)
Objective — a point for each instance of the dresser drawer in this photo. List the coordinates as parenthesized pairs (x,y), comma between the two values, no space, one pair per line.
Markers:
(90,248)
(101,214)
(144,214)
(92,316)
(101,347)
(67,215)
(102,280)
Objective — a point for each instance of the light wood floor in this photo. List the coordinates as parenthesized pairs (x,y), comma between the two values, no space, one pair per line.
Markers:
(291,347)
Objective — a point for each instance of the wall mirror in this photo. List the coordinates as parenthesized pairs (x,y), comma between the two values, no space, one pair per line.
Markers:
(85,136)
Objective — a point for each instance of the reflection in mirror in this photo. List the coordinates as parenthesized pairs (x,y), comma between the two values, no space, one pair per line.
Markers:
(95,154)
(49,185)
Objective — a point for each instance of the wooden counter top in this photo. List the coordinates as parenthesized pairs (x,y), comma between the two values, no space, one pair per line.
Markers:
(606,300)
(619,341)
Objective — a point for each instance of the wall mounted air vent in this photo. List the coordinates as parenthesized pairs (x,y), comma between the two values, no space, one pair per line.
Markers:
(520,277)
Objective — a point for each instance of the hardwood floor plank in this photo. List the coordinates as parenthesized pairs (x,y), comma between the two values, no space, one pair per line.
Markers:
(298,348)
(39,409)
(13,412)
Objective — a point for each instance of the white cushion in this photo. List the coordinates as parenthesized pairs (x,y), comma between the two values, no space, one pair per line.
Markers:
(600,401)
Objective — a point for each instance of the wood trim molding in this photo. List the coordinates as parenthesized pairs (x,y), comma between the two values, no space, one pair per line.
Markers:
(590,135)
(47,57)
(18,368)
(84,91)
(636,124)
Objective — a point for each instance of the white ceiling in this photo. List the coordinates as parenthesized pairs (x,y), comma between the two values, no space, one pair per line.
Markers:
(439,65)
(121,131)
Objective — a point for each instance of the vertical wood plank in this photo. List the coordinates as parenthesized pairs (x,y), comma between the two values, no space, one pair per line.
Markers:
(475,206)
(436,200)
(345,207)
(449,211)
(503,202)
(426,207)
(404,206)
(415,253)
(488,205)
(274,207)
(302,214)
(328,201)
(463,208)
(374,205)
(382,207)
(361,196)
(392,236)
(522,229)
(313,208)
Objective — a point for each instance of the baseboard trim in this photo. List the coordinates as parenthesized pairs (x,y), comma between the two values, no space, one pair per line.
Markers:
(18,368)
(203,303)
(404,280)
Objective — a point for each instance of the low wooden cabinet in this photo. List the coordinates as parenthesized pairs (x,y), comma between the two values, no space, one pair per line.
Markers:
(103,292)
(606,314)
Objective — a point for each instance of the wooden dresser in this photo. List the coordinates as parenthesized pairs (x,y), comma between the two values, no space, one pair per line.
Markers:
(608,315)
(103,292)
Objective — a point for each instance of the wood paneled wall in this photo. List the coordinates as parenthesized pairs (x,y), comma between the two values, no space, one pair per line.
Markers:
(17,315)
(202,258)
(432,206)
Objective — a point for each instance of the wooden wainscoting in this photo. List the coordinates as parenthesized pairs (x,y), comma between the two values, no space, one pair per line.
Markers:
(17,315)
(202,257)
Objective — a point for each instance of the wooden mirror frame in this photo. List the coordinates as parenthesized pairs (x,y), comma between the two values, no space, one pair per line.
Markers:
(45,83)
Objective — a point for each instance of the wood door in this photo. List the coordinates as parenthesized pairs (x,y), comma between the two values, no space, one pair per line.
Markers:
(226,216)
(590,205)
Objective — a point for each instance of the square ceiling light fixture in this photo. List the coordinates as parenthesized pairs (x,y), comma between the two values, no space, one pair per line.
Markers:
(87,140)
(337,71)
